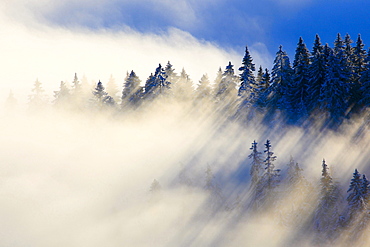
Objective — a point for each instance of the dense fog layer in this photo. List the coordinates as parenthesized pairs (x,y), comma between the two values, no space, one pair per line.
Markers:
(140,178)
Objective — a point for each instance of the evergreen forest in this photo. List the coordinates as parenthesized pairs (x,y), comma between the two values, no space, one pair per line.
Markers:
(210,174)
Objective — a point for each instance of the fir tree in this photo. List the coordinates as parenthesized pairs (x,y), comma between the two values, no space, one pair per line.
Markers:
(358,209)
(365,83)
(217,82)
(335,89)
(359,66)
(294,172)
(171,75)
(38,98)
(226,90)
(183,89)
(365,189)
(271,174)
(298,92)
(263,85)
(265,191)
(343,50)
(326,181)
(101,98)
(248,84)
(256,165)
(358,59)
(355,198)
(339,46)
(62,96)
(132,90)
(11,102)
(156,84)
(150,87)
(99,92)
(76,87)
(317,72)
(259,75)
(348,49)
(299,191)
(281,82)
(327,218)
(204,89)
(112,88)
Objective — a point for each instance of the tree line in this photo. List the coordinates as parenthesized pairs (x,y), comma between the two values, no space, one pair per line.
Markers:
(332,83)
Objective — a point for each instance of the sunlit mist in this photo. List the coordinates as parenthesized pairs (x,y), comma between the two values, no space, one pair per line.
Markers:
(115,137)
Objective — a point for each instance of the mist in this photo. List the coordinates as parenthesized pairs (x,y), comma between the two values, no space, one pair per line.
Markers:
(167,173)
(87,179)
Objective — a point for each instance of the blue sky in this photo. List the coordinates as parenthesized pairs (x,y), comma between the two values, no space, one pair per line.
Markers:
(230,24)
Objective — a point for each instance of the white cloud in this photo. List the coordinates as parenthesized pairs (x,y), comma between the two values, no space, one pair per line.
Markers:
(32,50)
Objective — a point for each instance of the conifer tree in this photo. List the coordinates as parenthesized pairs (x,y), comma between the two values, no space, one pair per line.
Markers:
(317,72)
(299,192)
(358,59)
(183,89)
(265,83)
(358,208)
(326,181)
(86,88)
(76,87)
(271,174)
(281,82)
(259,75)
(112,88)
(326,220)
(344,52)
(99,92)
(132,90)
(339,46)
(171,75)
(365,189)
(335,89)
(217,82)
(226,90)
(355,198)
(80,92)
(365,84)
(38,98)
(298,92)
(263,86)
(256,169)
(101,98)
(156,84)
(62,96)
(348,49)
(247,87)
(264,193)
(294,172)
(150,87)
(359,66)
(11,102)
(204,89)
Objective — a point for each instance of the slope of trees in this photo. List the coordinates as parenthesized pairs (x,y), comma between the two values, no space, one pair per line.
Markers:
(327,84)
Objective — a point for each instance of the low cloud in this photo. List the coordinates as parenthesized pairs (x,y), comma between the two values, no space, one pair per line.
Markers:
(54,53)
